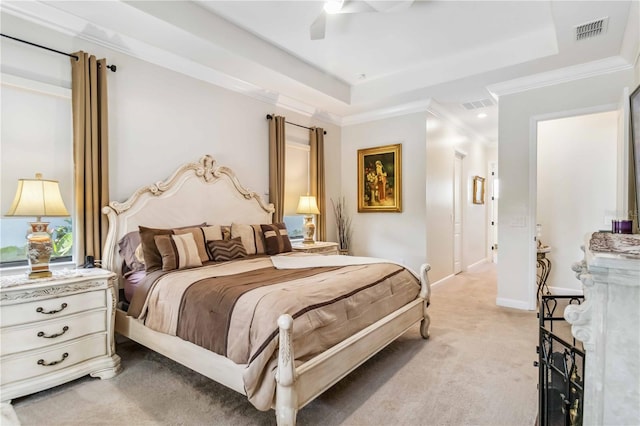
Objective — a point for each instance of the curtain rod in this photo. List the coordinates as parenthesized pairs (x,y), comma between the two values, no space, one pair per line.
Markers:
(111,67)
(269,117)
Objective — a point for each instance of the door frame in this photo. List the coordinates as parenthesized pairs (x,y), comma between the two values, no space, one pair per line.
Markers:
(532,287)
(458,153)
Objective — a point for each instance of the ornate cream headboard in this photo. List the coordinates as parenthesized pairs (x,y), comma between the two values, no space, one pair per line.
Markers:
(195,193)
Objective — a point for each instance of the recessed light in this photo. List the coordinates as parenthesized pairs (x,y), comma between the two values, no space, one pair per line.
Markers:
(482,115)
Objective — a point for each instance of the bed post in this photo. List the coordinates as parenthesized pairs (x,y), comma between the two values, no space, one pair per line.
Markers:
(286,395)
(425,294)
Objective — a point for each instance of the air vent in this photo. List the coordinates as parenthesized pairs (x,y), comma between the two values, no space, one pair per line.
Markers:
(592,29)
(478,104)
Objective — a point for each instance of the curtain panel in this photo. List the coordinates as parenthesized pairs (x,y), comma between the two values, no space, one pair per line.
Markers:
(277,148)
(90,152)
(316,172)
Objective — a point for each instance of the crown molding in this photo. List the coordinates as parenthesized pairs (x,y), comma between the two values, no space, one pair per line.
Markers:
(442,113)
(382,113)
(558,76)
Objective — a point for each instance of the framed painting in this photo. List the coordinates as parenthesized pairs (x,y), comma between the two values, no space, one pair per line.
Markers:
(478,190)
(380,179)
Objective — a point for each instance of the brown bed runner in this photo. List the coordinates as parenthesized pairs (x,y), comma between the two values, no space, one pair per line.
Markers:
(207,305)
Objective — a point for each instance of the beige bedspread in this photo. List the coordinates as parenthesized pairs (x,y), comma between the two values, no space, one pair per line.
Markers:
(327,307)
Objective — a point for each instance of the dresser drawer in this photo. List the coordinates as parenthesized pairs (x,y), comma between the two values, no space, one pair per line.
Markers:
(40,362)
(45,309)
(46,333)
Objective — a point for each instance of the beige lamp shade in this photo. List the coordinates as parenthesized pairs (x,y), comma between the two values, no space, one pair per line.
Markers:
(38,197)
(307,205)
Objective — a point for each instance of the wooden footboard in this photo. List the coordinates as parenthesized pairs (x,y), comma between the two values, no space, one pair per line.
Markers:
(296,387)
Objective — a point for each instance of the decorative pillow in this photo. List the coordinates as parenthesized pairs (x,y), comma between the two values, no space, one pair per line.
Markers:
(200,239)
(152,257)
(252,237)
(178,251)
(224,250)
(129,245)
(276,238)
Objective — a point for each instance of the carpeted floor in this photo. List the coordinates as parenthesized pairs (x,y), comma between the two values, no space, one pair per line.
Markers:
(476,369)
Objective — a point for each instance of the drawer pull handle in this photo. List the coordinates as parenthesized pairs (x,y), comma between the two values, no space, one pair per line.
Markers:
(48,364)
(42,311)
(53,336)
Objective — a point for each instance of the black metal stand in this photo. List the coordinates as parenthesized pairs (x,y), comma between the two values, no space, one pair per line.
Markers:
(560,365)
(544,265)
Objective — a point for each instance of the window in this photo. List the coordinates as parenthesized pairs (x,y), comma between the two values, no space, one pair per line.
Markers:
(296,182)
(36,137)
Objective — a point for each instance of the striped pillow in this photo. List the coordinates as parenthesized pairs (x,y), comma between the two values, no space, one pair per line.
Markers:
(251,236)
(276,238)
(178,251)
(224,250)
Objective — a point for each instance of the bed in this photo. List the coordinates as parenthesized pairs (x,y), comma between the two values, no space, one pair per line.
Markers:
(300,310)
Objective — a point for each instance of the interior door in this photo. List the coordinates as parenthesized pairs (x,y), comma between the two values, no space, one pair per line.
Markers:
(457,215)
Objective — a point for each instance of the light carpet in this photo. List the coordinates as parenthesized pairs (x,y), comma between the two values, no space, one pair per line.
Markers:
(476,369)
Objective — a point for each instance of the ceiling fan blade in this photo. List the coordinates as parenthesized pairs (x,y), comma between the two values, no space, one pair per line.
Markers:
(316,31)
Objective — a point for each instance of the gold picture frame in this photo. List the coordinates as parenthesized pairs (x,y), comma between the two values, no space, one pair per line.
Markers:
(478,190)
(380,179)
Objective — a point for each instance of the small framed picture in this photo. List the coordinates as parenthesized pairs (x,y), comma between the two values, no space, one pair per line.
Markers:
(380,179)
(478,190)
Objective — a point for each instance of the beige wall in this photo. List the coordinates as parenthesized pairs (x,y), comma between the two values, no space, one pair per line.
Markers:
(396,236)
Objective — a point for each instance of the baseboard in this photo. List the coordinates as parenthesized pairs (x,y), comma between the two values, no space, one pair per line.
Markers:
(478,263)
(441,281)
(561,291)
(512,303)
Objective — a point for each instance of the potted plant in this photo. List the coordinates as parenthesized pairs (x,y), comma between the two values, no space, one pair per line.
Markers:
(343,225)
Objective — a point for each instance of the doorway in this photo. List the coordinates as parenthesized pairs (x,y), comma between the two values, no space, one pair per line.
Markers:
(457,213)
(576,188)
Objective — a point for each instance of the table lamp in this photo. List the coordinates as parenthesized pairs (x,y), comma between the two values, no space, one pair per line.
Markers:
(38,197)
(308,207)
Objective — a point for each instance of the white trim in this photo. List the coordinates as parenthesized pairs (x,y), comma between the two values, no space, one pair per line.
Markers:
(440,112)
(562,291)
(478,263)
(513,303)
(442,280)
(560,75)
(74,26)
(394,111)
(34,86)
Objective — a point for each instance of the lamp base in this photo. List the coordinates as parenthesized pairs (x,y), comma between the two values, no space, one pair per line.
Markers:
(39,249)
(40,274)
(309,230)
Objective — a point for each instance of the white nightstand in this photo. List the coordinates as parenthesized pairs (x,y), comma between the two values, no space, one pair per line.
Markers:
(56,329)
(319,247)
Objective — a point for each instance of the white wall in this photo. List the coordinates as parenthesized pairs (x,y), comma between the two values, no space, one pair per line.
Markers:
(443,139)
(395,236)
(159,119)
(517,115)
(576,188)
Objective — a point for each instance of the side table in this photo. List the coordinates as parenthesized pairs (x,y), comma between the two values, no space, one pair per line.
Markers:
(319,247)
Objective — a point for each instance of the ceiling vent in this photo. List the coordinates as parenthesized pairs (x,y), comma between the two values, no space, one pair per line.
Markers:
(592,29)
(478,104)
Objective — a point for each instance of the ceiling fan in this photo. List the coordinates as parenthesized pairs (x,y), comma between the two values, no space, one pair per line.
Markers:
(333,7)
